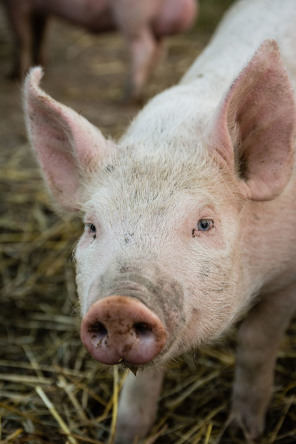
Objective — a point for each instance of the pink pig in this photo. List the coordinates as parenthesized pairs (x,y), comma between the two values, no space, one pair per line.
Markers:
(190,217)
(143,24)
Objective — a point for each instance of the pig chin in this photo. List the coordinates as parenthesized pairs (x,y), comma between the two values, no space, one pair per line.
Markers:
(133,319)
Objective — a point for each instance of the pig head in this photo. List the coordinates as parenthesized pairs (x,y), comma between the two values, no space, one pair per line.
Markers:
(159,265)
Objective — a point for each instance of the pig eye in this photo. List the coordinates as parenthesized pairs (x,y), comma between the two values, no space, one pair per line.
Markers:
(203,225)
(92,229)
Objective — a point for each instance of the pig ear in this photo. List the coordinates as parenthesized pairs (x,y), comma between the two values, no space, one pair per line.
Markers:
(254,129)
(66,145)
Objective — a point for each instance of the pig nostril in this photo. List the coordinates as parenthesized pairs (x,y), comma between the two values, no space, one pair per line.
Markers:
(142,330)
(98,330)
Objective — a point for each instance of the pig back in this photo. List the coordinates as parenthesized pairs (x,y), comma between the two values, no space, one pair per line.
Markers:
(245,26)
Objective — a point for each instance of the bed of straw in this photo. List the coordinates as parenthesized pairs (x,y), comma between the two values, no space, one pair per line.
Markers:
(51,391)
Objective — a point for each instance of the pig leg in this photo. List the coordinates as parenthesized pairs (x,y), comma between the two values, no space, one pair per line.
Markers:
(144,50)
(258,341)
(19,17)
(38,23)
(138,405)
(134,19)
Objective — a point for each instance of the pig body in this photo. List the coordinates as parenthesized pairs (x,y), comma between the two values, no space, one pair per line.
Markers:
(190,218)
(143,25)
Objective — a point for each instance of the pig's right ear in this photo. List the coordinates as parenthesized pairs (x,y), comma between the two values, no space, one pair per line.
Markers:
(66,145)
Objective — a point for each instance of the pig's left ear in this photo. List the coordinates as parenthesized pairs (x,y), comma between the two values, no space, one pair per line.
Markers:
(66,145)
(254,129)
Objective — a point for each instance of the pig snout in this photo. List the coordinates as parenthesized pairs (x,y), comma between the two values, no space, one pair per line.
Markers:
(122,329)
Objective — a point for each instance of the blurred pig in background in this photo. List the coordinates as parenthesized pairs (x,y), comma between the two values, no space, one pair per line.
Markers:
(143,24)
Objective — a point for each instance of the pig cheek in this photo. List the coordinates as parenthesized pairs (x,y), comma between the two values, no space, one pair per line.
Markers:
(213,296)
(209,275)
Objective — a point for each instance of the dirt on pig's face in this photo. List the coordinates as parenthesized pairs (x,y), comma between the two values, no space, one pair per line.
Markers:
(164,230)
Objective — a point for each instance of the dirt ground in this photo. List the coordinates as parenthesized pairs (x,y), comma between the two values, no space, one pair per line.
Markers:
(41,356)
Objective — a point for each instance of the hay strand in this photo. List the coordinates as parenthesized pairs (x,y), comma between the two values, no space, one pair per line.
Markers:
(56,415)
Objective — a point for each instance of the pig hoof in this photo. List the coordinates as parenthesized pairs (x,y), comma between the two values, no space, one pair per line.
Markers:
(132,95)
(132,100)
(127,434)
(242,427)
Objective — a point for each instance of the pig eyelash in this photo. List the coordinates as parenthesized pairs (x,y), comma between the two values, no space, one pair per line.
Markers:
(92,229)
(202,226)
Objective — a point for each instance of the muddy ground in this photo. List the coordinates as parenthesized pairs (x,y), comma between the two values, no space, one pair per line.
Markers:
(39,325)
